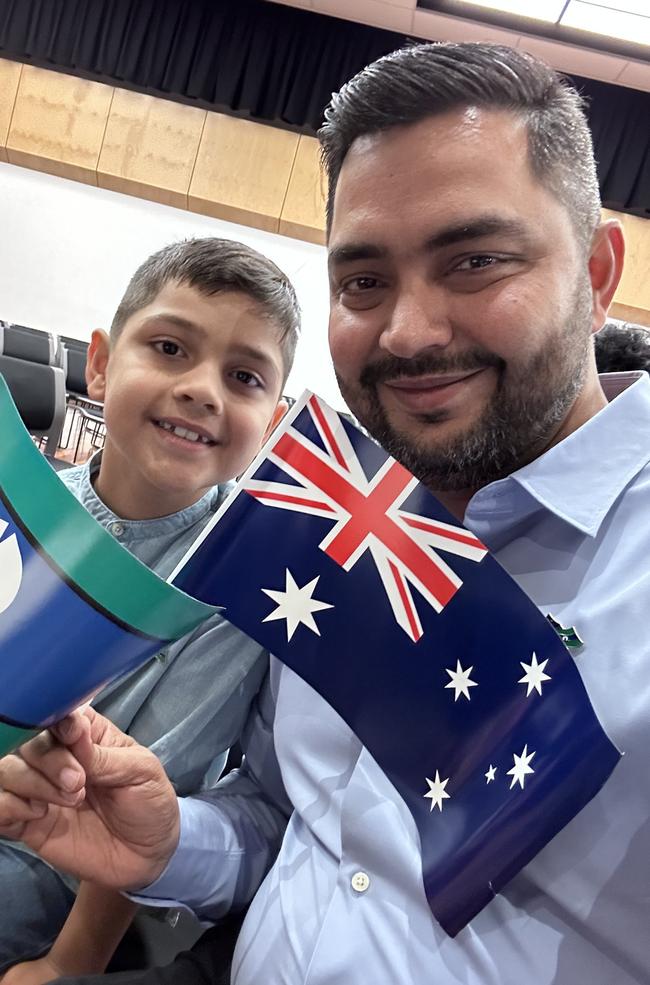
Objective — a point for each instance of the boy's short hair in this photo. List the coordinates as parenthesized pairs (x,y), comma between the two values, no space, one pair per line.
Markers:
(212,265)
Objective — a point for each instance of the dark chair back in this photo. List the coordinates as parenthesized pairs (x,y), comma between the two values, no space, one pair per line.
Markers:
(39,394)
(21,342)
(75,377)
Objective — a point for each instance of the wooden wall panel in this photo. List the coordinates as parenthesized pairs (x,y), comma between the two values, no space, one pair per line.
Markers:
(180,155)
(303,212)
(9,79)
(58,124)
(634,289)
(150,147)
(242,171)
(626,312)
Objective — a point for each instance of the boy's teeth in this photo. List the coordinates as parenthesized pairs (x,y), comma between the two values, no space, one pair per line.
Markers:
(184,433)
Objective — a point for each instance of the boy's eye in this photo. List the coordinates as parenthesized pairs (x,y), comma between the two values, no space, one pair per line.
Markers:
(248,379)
(167,347)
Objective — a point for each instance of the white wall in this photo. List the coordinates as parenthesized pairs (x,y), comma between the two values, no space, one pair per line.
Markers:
(67,251)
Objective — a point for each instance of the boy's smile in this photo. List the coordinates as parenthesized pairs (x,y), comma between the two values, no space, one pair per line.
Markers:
(190,388)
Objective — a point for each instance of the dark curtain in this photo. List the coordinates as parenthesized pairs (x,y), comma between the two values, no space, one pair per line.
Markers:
(272,63)
(269,61)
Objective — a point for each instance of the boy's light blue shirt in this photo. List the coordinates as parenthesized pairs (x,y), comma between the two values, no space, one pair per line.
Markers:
(573,529)
(190,703)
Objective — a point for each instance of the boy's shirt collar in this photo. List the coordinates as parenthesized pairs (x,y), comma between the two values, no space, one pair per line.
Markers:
(144,529)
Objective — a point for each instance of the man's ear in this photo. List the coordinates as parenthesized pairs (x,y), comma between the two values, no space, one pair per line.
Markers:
(97,364)
(605,268)
(278,414)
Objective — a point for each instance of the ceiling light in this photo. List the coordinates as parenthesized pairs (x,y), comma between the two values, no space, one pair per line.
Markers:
(540,10)
(609,22)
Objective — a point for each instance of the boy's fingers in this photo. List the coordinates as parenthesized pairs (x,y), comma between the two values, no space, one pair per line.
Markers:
(53,785)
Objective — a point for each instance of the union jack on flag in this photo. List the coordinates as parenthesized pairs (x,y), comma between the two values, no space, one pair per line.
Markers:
(330,554)
(367,515)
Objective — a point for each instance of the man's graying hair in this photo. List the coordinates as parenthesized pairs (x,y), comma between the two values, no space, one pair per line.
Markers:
(429,79)
(212,265)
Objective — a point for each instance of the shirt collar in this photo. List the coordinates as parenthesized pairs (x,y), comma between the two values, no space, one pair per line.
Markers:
(580,478)
(144,529)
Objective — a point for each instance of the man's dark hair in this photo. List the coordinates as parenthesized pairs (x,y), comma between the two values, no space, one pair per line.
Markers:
(425,80)
(212,265)
(621,347)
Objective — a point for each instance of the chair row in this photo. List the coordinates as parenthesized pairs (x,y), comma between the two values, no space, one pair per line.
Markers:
(45,374)
(47,349)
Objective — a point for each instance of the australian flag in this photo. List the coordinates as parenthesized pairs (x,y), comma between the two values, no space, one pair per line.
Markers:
(342,564)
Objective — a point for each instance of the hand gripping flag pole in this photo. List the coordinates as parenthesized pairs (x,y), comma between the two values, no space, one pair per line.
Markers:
(336,559)
(76,609)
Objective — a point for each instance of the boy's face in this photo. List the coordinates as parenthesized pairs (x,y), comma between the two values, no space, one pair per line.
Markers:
(190,389)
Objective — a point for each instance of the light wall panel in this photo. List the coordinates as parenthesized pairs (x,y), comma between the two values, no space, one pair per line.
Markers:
(242,171)
(303,212)
(150,147)
(9,79)
(58,124)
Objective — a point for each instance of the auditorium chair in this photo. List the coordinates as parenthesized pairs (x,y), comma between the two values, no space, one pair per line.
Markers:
(38,391)
(31,344)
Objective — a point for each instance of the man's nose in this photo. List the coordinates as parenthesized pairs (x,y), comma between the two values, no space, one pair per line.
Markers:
(202,387)
(418,321)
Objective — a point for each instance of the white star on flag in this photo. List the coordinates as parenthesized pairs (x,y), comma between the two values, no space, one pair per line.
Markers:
(534,675)
(296,605)
(491,773)
(437,792)
(11,568)
(521,767)
(460,681)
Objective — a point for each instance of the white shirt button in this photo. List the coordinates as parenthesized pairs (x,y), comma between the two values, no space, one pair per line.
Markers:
(360,882)
(117,529)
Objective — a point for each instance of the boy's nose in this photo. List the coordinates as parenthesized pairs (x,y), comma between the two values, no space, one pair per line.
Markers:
(201,388)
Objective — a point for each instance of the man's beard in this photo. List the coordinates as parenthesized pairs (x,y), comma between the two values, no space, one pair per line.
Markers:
(518,423)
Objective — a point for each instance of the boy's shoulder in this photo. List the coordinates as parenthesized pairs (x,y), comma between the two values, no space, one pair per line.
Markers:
(76,478)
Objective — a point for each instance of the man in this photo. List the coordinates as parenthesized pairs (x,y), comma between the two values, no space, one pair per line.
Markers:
(468,272)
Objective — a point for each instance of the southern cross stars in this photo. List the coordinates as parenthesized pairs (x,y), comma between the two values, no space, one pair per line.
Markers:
(490,776)
(296,605)
(521,768)
(534,675)
(460,681)
(437,792)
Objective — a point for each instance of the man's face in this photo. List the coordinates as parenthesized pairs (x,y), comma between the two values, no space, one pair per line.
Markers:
(461,305)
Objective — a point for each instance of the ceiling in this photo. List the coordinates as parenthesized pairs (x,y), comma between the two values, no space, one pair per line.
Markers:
(406,17)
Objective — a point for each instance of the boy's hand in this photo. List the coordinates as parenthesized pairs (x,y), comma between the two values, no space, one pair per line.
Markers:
(37,972)
(91,801)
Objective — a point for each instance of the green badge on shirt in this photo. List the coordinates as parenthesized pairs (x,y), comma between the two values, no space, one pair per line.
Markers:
(568,634)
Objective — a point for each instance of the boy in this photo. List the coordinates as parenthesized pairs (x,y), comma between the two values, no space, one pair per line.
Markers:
(191,378)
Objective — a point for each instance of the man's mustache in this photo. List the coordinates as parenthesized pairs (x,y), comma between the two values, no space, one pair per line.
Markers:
(428,364)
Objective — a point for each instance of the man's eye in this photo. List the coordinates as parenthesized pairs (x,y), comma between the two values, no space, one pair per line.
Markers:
(357,285)
(248,379)
(478,262)
(167,347)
